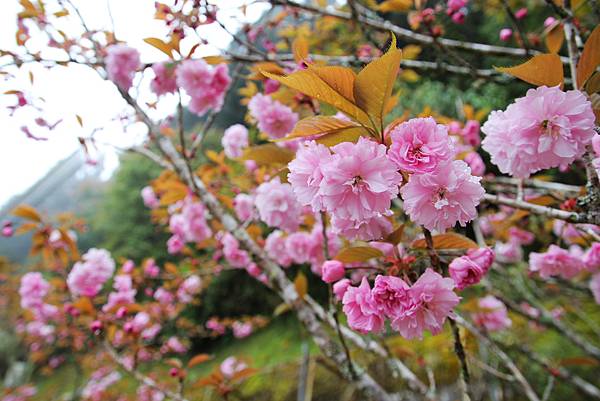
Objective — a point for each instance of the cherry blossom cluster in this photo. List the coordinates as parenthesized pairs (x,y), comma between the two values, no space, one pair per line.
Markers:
(87,277)
(274,118)
(205,84)
(189,225)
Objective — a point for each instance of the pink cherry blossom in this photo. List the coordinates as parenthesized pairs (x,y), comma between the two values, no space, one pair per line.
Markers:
(521,13)
(392,295)
(359,182)
(470,133)
(305,173)
(546,128)
(274,119)
(431,301)
(375,227)
(465,272)
(164,78)
(99,382)
(508,252)
(493,315)
(232,252)
(149,197)
(339,288)
(476,163)
(122,62)
(361,309)
(190,225)
(419,145)
(33,289)
(277,205)
(205,84)
(214,325)
(298,246)
(555,261)
(548,22)
(175,244)
(147,393)
(332,271)
(505,34)
(455,5)
(173,344)
(87,277)
(235,140)
(523,237)
(163,296)
(243,204)
(275,246)
(443,198)
(241,329)
(231,365)
(591,258)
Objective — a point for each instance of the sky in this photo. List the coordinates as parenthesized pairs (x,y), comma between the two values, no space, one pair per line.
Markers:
(78,90)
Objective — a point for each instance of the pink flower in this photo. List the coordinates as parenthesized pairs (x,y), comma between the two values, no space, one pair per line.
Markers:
(431,301)
(164,78)
(375,227)
(476,163)
(484,257)
(570,233)
(175,244)
(235,140)
(455,5)
(332,270)
(163,296)
(190,225)
(175,345)
(243,204)
(277,205)
(149,197)
(100,381)
(271,86)
(522,237)
(465,272)
(340,288)
(275,246)
(361,309)
(443,198)
(420,145)
(305,173)
(147,393)
(548,22)
(359,182)
(493,315)
(231,365)
(591,258)
(545,129)
(508,252)
(470,133)
(87,277)
(235,256)
(595,287)
(241,329)
(555,261)
(205,84)
(298,246)
(214,325)
(33,289)
(521,13)
(505,34)
(458,17)
(391,294)
(274,119)
(122,62)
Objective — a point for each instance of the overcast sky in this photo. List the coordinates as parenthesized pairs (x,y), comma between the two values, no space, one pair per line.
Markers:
(78,90)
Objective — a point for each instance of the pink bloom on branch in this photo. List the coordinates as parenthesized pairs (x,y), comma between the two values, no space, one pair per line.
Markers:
(164,78)
(33,289)
(361,309)
(149,197)
(508,252)
(87,277)
(241,329)
(441,199)
(274,119)
(243,204)
(277,205)
(392,295)
(175,244)
(205,84)
(235,140)
(275,246)
(359,181)
(555,261)
(332,271)
(372,228)
(419,145)
(476,163)
(465,272)
(231,365)
(545,129)
(298,246)
(470,133)
(591,258)
(431,301)
(505,34)
(305,173)
(339,288)
(521,13)
(523,237)
(548,22)
(493,315)
(122,62)
(455,5)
